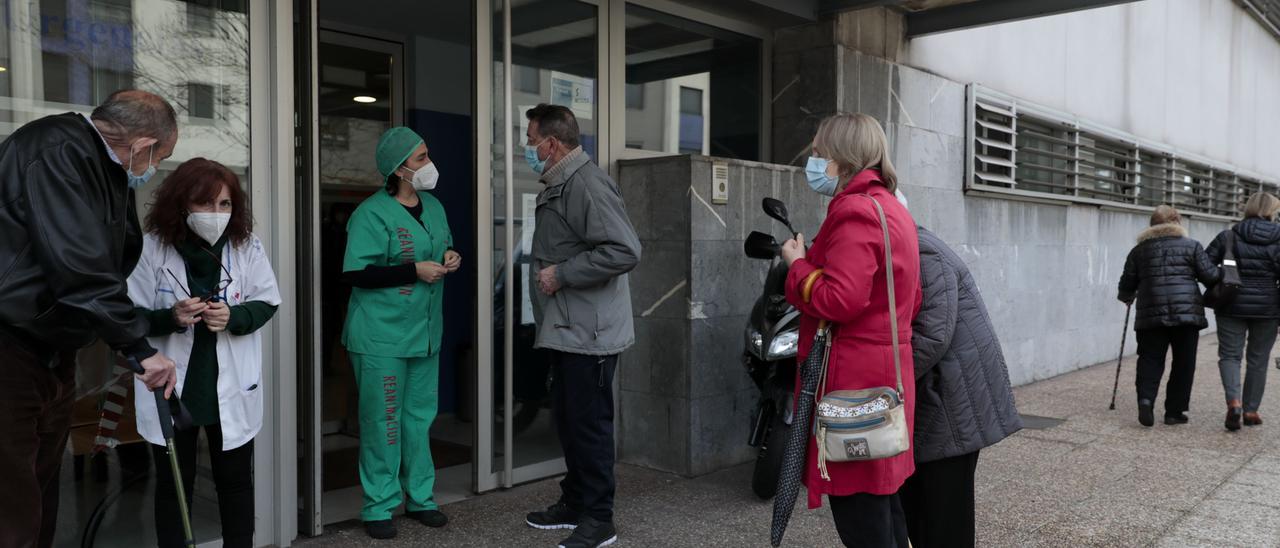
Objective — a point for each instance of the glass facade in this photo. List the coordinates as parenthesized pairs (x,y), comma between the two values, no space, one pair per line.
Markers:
(69,55)
(689,88)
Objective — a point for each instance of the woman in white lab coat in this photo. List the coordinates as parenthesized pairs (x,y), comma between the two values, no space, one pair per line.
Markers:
(206,286)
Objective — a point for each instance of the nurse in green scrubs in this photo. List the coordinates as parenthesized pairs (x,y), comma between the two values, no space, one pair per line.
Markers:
(399,250)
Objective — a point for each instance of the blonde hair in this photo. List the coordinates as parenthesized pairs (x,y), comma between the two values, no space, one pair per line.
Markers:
(1165,215)
(854,142)
(1263,205)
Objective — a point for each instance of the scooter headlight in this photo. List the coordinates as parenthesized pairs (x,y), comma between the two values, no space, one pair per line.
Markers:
(783,345)
(755,341)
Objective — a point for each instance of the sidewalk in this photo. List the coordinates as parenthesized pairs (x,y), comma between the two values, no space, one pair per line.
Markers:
(1096,479)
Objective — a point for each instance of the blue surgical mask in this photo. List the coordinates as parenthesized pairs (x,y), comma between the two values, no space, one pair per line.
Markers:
(819,181)
(531,156)
(136,181)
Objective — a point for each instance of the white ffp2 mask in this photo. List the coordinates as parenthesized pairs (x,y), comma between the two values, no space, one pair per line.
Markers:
(425,177)
(208,226)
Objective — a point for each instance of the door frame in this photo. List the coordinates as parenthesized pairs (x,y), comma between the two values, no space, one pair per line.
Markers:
(271,112)
(311,393)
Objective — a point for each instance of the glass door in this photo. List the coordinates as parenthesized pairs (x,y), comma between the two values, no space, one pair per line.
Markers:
(543,51)
(358,98)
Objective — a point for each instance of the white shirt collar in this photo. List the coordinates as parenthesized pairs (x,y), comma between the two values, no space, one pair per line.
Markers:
(110,152)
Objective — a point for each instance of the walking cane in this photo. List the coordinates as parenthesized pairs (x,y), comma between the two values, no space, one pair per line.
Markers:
(166,426)
(1123,335)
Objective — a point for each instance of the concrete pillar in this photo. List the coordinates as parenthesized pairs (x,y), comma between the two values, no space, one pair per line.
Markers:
(685,400)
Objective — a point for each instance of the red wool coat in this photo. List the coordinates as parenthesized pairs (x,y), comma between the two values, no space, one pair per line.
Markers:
(852,293)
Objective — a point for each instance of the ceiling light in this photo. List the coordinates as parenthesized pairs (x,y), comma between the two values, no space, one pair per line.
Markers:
(365,99)
(3,69)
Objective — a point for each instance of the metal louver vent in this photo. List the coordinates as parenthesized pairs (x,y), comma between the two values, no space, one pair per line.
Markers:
(1021,149)
(994,155)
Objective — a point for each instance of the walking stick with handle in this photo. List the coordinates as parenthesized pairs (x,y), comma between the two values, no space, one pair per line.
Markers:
(1123,335)
(166,427)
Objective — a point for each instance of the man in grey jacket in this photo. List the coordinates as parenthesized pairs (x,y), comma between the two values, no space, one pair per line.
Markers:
(583,248)
(963,399)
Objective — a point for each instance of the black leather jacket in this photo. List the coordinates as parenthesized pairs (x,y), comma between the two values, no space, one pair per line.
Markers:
(69,238)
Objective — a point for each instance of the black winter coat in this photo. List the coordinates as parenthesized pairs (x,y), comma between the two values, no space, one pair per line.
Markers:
(963,399)
(69,237)
(1162,270)
(1258,258)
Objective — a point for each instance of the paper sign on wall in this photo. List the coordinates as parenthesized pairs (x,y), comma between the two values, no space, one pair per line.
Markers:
(528,213)
(526,303)
(575,92)
(524,123)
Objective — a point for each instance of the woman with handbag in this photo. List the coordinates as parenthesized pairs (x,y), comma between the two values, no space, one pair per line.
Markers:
(1247,322)
(864,262)
(1161,272)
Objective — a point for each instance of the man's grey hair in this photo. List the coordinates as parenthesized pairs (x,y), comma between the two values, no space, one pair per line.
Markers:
(555,121)
(134,114)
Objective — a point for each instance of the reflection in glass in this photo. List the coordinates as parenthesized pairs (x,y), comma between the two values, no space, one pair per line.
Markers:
(691,88)
(69,55)
(554,60)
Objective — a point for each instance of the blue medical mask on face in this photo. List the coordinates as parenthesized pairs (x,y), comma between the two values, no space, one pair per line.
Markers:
(816,172)
(531,156)
(136,181)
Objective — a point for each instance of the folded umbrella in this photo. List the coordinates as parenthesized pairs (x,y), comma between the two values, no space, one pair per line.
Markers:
(793,453)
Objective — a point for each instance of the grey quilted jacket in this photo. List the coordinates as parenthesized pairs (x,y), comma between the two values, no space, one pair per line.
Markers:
(963,399)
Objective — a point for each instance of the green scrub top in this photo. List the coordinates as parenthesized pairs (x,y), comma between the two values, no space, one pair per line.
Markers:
(395,322)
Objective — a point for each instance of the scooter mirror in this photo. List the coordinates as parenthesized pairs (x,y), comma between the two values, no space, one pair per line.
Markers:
(761,246)
(778,210)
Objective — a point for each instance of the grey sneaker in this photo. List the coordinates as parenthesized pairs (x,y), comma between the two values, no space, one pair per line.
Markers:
(556,516)
(591,533)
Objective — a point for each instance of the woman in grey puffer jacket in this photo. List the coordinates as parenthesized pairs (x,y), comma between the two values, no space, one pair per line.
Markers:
(963,399)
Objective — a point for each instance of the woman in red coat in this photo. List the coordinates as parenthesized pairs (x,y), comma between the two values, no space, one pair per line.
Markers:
(851,162)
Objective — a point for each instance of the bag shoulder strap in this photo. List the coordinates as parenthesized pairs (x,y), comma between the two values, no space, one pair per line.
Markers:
(893,302)
(1229,254)
(892,307)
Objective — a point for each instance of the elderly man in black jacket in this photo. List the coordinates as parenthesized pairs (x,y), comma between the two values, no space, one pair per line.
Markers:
(963,399)
(69,237)
(1162,272)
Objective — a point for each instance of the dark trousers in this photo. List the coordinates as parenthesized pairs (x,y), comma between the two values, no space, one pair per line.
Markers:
(1153,346)
(582,395)
(871,521)
(35,417)
(938,501)
(232,477)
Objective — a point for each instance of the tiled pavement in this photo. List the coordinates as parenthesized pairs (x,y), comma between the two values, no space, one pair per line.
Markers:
(1096,479)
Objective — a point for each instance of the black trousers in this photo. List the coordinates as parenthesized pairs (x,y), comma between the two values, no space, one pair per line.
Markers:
(582,395)
(232,477)
(35,417)
(938,501)
(870,521)
(1153,346)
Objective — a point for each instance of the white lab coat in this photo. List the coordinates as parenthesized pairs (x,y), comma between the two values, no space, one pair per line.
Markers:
(239,357)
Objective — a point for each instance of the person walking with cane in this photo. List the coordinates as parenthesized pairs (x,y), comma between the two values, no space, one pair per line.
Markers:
(69,237)
(1161,275)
